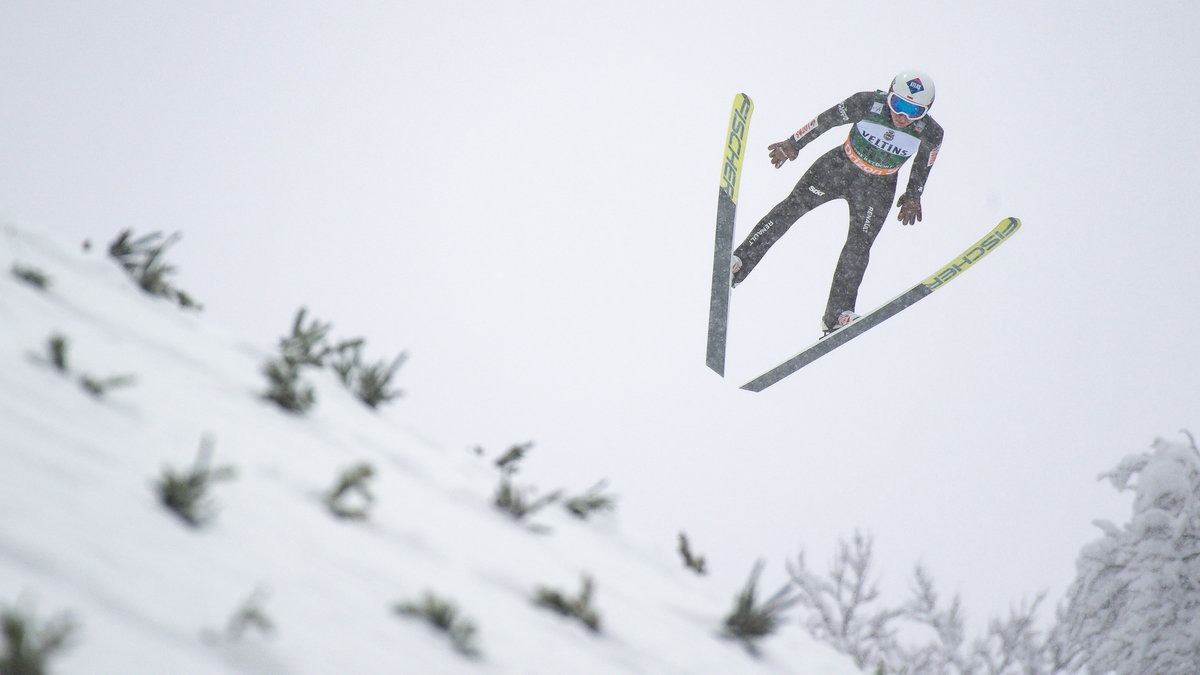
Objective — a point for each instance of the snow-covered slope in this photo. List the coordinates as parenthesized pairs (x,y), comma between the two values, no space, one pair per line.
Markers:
(81,528)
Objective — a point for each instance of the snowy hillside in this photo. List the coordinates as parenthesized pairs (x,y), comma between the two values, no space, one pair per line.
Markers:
(82,530)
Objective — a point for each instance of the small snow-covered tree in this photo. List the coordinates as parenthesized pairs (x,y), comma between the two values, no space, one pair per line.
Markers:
(1134,607)
(843,609)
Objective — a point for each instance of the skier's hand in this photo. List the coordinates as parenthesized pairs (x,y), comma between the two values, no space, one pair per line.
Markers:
(782,151)
(910,209)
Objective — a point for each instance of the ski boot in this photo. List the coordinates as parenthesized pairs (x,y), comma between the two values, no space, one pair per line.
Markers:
(844,319)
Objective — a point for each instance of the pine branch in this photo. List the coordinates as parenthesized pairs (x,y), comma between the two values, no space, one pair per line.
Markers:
(352,487)
(444,616)
(186,493)
(31,275)
(579,608)
(584,505)
(691,561)
(750,620)
(26,646)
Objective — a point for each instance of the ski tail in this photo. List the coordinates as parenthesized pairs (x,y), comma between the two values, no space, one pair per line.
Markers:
(731,175)
(943,276)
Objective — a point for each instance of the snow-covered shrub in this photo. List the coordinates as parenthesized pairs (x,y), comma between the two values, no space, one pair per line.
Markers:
(1134,607)
(843,609)
(593,501)
(691,561)
(371,383)
(308,346)
(510,460)
(56,348)
(186,493)
(351,497)
(304,347)
(249,616)
(143,259)
(578,608)
(98,387)
(27,646)
(31,275)
(749,621)
(286,388)
(518,501)
(694,562)
(444,616)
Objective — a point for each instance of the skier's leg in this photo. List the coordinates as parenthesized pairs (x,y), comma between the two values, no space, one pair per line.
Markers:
(868,210)
(804,197)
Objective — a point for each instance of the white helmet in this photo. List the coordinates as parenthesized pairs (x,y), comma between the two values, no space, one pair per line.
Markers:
(914,87)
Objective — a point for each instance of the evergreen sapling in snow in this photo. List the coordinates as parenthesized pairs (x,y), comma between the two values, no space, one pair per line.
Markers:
(27,646)
(308,346)
(143,259)
(56,348)
(444,616)
(304,347)
(517,501)
(578,608)
(691,561)
(590,502)
(750,620)
(186,493)
(31,275)
(351,497)
(249,616)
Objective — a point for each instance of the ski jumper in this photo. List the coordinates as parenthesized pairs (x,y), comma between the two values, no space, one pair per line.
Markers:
(863,172)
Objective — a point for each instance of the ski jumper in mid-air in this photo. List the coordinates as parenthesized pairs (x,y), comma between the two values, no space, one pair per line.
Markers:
(889,128)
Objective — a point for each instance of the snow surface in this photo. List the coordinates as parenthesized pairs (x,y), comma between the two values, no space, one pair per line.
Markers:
(81,529)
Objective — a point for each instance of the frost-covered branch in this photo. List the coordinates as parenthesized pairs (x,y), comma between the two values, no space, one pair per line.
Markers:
(842,607)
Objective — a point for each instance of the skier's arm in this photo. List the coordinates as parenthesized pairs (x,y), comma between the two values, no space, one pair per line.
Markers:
(926,155)
(910,201)
(850,110)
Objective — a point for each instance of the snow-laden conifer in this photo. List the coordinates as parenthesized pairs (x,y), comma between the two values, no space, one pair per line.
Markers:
(1135,604)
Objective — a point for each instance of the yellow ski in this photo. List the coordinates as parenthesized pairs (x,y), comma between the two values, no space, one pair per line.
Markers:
(841,336)
(731,174)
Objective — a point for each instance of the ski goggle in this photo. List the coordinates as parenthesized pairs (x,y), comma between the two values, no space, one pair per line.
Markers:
(907,108)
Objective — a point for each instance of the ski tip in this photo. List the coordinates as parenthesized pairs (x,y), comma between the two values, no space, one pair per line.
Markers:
(757,384)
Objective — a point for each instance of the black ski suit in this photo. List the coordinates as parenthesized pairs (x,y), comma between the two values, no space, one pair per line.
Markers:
(863,172)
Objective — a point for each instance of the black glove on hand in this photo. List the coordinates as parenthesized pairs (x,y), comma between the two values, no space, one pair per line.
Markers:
(910,208)
(782,151)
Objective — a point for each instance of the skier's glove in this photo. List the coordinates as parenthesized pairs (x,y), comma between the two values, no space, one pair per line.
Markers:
(782,152)
(910,208)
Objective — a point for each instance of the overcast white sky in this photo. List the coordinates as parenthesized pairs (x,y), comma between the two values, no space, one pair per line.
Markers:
(523,197)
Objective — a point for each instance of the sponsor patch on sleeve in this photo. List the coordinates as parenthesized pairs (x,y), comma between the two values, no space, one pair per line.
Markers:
(933,155)
(803,131)
(877,108)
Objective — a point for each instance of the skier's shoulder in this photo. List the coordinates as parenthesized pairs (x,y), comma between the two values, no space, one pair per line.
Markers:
(855,106)
(862,99)
(929,129)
